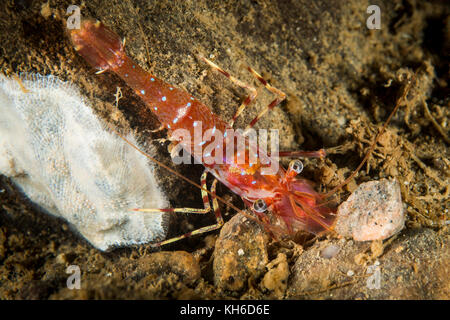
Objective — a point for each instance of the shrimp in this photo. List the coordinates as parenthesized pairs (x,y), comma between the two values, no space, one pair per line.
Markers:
(283,202)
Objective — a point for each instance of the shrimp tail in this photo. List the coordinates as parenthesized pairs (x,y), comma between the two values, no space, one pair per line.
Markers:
(99,46)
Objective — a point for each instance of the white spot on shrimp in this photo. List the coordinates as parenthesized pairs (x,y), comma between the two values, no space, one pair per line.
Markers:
(195,123)
(152,79)
(142,91)
(182,111)
(164,98)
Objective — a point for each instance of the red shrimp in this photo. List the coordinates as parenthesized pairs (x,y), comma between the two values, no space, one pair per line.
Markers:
(281,201)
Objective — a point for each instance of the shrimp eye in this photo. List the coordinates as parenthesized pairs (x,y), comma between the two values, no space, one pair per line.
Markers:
(259,205)
(296,166)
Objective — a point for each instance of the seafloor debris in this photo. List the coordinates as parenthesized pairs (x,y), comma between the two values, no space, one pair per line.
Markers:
(276,278)
(374,211)
(162,264)
(57,151)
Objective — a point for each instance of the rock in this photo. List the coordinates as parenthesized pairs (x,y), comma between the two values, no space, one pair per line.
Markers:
(240,254)
(374,211)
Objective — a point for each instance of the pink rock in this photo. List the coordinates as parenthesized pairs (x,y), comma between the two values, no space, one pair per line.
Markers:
(374,211)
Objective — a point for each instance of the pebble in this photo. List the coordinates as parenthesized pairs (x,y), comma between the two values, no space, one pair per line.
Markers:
(61,258)
(330,251)
(374,211)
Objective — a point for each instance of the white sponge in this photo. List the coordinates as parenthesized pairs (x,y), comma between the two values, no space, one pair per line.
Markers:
(58,152)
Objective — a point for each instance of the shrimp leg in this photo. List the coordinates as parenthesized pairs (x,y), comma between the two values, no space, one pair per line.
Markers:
(280,98)
(305,154)
(239,83)
(207,208)
(253,93)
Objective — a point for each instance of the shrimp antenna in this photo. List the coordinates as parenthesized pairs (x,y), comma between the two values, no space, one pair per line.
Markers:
(377,138)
